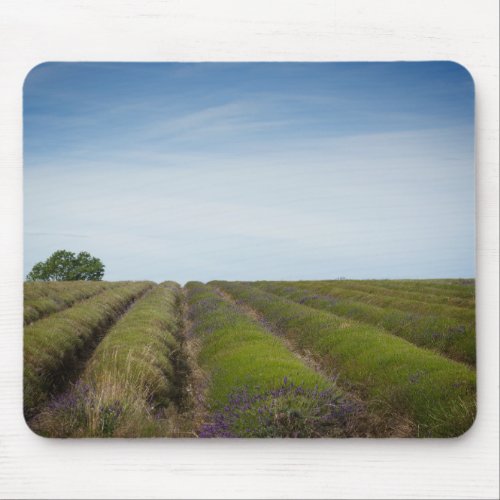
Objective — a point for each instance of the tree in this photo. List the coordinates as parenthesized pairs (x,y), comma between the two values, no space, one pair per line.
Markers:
(63,265)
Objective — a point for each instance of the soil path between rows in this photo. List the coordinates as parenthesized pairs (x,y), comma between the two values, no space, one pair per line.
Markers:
(188,410)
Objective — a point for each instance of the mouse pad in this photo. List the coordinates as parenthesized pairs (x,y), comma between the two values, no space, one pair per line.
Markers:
(249,250)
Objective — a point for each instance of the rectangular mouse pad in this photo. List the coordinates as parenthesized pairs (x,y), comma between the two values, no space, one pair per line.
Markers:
(264,250)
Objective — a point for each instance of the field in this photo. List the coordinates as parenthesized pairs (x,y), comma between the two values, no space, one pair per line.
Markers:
(333,358)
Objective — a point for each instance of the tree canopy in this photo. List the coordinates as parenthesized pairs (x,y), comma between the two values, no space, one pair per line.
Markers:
(63,265)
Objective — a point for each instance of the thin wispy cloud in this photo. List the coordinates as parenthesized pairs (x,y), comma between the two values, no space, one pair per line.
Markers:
(251,171)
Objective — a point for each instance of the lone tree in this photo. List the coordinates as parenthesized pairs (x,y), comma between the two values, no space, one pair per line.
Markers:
(66,266)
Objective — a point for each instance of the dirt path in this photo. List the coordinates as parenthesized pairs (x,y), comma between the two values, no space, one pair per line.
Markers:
(188,410)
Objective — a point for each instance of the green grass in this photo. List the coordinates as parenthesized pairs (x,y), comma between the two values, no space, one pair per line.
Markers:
(53,345)
(454,338)
(397,378)
(44,298)
(248,366)
(129,381)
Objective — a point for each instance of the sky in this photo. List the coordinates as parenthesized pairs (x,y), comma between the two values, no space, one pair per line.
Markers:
(248,171)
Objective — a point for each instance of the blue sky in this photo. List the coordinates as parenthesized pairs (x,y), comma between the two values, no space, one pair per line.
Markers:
(252,171)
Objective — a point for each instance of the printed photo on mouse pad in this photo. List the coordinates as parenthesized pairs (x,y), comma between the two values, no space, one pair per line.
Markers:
(249,250)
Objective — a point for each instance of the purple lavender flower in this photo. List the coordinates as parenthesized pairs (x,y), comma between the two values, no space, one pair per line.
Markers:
(289,410)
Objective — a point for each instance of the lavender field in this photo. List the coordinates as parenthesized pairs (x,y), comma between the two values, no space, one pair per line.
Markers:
(302,359)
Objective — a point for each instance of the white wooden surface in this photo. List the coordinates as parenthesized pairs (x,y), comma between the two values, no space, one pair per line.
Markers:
(172,30)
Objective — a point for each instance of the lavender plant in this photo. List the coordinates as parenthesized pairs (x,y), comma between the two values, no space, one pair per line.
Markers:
(287,411)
